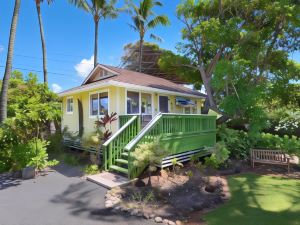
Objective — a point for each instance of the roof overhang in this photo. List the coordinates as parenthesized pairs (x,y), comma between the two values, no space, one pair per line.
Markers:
(93,86)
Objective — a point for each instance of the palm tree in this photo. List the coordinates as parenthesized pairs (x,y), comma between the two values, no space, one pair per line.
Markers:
(8,67)
(38,8)
(145,19)
(100,9)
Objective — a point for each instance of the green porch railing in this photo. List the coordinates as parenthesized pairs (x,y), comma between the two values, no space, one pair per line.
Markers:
(125,118)
(114,146)
(177,132)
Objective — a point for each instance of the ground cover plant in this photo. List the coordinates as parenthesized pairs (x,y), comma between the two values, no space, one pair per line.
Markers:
(259,200)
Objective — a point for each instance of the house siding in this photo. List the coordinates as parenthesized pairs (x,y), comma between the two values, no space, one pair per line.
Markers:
(117,103)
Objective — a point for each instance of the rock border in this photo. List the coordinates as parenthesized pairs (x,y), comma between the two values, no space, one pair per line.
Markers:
(113,200)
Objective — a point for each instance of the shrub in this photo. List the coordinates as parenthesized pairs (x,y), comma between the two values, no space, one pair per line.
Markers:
(91,169)
(237,142)
(70,160)
(218,157)
(40,158)
(148,154)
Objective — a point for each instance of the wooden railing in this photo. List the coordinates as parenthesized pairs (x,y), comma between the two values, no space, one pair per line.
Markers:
(177,133)
(114,146)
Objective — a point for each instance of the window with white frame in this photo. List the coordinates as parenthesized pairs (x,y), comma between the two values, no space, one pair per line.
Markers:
(69,105)
(133,102)
(99,104)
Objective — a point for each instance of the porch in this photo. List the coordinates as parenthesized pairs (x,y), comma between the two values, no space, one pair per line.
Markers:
(182,135)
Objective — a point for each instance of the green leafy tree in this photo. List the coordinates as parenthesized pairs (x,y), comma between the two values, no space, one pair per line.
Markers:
(144,19)
(8,66)
(99,9)
(235,48)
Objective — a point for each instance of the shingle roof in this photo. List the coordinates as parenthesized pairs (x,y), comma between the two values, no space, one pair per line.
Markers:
(141,79)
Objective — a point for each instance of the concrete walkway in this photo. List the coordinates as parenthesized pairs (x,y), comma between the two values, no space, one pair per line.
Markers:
(58,198)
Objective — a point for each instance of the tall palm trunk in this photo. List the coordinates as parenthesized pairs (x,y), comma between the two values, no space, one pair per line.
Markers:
(38,8)
(8,67)
(96,19)
(141,53)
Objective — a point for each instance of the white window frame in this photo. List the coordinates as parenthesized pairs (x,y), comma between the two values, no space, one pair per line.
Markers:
(140,101)
(69,112)
(108,105)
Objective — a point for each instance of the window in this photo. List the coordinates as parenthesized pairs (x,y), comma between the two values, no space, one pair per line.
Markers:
(187,110)
(163,104)
(146,103)
(70,105)
(99,104)
(133,105)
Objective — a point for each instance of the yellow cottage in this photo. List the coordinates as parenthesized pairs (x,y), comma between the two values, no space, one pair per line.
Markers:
(148,108)
(109,89)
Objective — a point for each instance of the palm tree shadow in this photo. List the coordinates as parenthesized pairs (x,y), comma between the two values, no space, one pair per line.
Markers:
(85,201)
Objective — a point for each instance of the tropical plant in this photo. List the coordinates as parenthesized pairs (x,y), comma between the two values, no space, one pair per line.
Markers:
(40,158)
(91,169)
(99,9)
(38,8)
(175,164)
(8,66)
(144,19)
(148,154)
(103,126)
(218,157)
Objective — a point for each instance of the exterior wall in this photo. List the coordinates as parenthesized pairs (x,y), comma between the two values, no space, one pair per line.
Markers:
(117,103)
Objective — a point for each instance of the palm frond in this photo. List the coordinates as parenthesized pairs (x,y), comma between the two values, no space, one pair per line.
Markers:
(156,38)
(158,20)
(83,4)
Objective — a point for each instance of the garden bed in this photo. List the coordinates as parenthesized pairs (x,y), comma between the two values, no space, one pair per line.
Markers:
(171,196)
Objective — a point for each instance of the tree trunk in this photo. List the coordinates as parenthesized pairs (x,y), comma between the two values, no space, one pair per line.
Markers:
(141,54)
(96,19)
(8,67)
(38,8)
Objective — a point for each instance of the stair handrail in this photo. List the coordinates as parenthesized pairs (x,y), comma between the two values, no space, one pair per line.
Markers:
(115,135)
(142,133)
(107,146)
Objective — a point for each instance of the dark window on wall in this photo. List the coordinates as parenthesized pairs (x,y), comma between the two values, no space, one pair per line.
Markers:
(133,105)
(163,104)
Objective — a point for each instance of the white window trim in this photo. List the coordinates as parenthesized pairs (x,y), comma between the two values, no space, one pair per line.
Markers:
(71,112)
(140,101)
(108,105)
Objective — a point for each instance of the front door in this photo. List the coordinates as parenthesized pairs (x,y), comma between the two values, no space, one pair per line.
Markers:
(164,104)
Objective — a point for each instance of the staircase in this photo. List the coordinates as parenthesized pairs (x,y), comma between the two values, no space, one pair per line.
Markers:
(182,135)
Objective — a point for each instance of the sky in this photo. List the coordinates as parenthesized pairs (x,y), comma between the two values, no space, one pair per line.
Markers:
(69,34)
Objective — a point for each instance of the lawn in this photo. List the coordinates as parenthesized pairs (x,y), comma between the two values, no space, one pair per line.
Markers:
(259,200)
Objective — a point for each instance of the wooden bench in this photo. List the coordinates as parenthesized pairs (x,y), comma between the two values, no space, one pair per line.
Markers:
(274,157)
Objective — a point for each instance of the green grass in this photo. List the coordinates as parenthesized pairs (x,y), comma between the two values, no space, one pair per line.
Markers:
(259,200)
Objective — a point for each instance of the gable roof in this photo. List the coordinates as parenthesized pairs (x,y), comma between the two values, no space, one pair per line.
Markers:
(132,79)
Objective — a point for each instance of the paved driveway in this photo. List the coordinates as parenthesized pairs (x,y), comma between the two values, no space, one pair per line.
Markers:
(59,198)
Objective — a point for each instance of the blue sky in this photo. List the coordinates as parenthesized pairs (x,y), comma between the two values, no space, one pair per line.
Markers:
(69,34)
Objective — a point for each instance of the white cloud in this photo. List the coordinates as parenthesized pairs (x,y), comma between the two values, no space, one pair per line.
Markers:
(85,67)
(56,88)
(1,48)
